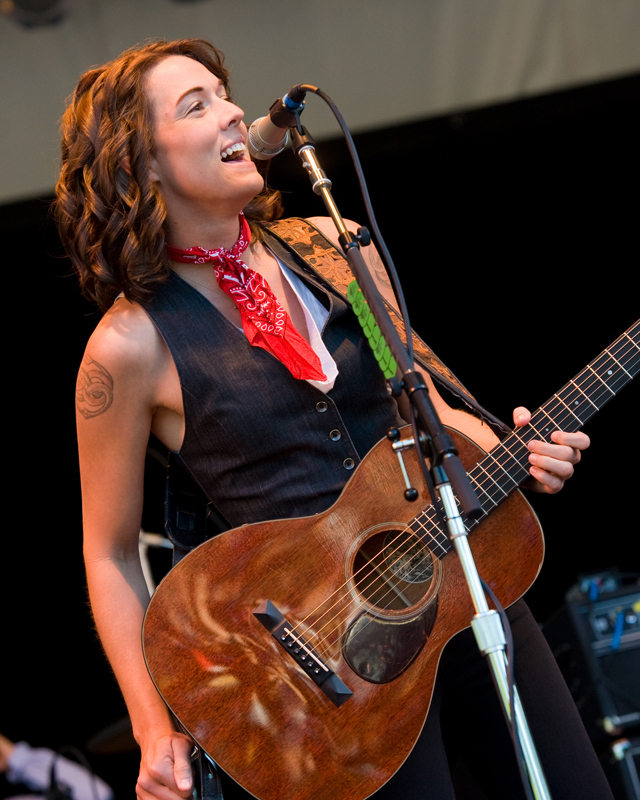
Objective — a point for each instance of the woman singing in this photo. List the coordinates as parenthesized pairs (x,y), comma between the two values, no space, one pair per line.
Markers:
(164,215)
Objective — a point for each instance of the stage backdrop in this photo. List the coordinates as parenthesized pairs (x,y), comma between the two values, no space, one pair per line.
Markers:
(383,61)
(512,228)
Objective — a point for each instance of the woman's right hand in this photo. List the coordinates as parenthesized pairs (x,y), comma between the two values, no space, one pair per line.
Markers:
(165,768)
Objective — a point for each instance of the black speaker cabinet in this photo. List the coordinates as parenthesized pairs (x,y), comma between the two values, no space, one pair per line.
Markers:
(621,763)
(596,640)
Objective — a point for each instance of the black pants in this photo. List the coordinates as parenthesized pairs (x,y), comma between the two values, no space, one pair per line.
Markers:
(465,750)
(466,737)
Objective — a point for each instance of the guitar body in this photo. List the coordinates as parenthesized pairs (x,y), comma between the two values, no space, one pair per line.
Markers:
(243,697)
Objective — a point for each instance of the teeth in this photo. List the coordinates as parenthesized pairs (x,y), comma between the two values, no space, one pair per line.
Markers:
(235,148)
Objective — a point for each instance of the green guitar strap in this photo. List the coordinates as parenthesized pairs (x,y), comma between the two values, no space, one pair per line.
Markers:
(189,518)
(328,263)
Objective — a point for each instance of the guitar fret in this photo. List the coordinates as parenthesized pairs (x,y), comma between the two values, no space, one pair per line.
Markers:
(618,363)
(594,387)
(586,396)
(497,474)
(551,419)
(561,414)
(501,457)
(515,439)
(486,493)
(443,541)
(601,379)
(481,492)
(579,396)
(502,470)
(509,477)
(532,425)
(523,436)
(502,453)
(626,333)
(610,373)
(625,345)
(593,390)
(568,409)
(433,538)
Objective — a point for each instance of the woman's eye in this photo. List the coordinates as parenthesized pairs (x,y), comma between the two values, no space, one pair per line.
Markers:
(196,106)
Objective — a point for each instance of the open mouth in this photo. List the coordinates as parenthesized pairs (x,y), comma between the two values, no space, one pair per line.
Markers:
(233,153)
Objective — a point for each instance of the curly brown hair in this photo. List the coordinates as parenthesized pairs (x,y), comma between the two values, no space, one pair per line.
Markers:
(109,213)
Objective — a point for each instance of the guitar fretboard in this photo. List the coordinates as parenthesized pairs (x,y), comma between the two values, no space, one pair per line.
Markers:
(505,467)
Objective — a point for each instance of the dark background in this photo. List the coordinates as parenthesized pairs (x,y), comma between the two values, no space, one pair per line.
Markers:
(514,230)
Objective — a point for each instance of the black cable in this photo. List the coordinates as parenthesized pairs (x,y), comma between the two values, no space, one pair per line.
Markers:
(59,791)
(386,256)
(512,723)
(382,247)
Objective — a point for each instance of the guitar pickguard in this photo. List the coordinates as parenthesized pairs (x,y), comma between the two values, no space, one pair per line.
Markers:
(380,650)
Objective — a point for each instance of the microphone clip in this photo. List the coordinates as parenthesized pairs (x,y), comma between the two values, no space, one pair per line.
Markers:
(285,112)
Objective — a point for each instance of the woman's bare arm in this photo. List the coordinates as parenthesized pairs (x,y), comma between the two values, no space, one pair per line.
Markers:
(115,400)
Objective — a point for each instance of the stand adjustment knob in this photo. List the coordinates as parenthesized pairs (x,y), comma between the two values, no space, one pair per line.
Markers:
(393,434)
(398,445)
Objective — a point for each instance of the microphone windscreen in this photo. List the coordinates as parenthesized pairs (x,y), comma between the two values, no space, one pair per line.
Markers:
(266,140)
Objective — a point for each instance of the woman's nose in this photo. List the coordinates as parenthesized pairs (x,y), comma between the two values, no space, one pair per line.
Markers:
(233,115)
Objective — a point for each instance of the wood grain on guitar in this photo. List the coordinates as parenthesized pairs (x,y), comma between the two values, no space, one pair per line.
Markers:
(368,592)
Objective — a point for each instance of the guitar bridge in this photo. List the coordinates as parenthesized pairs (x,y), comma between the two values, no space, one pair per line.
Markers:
(302,653)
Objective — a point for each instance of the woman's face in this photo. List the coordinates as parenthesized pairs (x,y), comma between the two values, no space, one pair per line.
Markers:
(195,126)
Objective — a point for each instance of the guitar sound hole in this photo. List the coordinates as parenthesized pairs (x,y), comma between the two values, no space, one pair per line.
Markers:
(393,570)
(408,558)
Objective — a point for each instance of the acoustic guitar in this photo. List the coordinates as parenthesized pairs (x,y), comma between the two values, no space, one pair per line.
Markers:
(301,654)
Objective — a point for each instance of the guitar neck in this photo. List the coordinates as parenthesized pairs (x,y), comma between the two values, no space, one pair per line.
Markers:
(505,468)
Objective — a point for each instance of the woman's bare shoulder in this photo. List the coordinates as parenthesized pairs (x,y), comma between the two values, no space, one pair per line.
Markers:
(327,226)
(125,348)
(125,336)
(371,256)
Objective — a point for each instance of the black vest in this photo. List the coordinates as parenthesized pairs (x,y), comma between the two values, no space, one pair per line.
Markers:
(261,444)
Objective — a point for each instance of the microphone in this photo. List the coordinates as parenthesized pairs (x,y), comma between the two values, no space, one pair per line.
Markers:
(268,136)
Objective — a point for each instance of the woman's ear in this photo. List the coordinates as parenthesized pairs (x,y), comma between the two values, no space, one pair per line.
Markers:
(153,171)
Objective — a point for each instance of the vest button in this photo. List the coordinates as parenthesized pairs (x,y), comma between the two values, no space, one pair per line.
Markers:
(321,406)
(335,435)
(348,463)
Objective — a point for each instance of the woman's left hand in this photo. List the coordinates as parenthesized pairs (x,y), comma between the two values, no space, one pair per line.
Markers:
(551,464)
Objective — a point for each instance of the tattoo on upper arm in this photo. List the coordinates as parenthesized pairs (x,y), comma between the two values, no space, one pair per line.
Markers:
(380,269)
(94,389)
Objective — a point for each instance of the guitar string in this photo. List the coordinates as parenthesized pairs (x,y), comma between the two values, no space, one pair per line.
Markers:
(433,521)
(378,603)
(428,555)
(347,594)
(359,584)
(402,540)
(399,537)
(565,413)
(431,517)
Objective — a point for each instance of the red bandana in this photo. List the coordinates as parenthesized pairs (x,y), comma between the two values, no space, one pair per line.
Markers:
(265,322)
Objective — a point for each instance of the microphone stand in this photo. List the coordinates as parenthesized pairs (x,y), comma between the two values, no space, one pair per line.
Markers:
(449,476)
